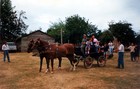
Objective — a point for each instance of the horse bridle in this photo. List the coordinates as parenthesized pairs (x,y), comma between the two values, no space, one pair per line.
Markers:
(44,49)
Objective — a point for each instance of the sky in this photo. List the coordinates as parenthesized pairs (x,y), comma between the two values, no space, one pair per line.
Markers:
(42,13)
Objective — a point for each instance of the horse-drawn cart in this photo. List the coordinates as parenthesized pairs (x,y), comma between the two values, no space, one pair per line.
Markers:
(90,58)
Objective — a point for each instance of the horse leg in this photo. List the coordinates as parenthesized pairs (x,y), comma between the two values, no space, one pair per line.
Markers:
(60,60)
(47,62)
(73,63)
(41,59)
(70,59)
(52,65)
(74,66)
(71,68)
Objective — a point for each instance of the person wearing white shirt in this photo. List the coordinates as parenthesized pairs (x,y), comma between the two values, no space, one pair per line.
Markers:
(120,55)
(110,44)
(132,51)
(5,49)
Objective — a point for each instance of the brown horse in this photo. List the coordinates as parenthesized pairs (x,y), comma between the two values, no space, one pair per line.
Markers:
(42,54)
(52,51)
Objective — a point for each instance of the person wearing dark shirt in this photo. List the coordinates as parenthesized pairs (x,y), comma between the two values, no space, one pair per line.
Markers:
(136,53)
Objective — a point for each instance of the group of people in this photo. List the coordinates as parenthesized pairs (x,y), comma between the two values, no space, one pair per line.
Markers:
(96,46)
(87,44)
(134,52)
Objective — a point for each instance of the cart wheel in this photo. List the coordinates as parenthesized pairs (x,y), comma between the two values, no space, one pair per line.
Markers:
(88,62)
(101,61)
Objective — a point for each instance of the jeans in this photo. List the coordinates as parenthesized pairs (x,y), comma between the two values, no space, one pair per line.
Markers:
(121,59)
(6,54)
(110,50)
(132,56)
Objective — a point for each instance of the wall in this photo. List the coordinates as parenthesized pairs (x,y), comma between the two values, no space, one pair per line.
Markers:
(25,40)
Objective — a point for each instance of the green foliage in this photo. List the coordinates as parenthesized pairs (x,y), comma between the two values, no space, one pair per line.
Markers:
(55,30)
(11,24)
(138,39)
(122,31)
(73,29)
(106,36)
(76,26)
(92,29)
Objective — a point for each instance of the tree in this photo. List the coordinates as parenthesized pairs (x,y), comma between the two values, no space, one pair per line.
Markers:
(138,37)
(122,31)
(106,36)
(55,31)
(76,26)
(93,30)
(11,24)
(73,29)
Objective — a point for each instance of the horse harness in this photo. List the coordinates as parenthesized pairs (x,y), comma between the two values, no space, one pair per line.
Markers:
(45,49)
(49,49)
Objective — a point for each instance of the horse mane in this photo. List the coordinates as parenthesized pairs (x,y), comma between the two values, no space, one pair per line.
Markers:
(46,43)
(43,43)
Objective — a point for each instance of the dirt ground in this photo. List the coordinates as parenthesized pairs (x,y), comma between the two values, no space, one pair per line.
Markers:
(23,73)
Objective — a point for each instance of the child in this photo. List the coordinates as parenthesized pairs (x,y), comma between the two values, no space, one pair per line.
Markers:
(88,45)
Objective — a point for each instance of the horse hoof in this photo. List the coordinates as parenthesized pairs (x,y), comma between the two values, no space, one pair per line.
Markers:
(46,71)
(51,72)
(74,69)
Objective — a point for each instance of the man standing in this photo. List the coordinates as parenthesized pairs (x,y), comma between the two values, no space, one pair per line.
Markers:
(120,55)
(132,55)
(136,52)
(5,49)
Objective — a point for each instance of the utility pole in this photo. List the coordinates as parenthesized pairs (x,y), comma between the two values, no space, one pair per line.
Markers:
(61,36)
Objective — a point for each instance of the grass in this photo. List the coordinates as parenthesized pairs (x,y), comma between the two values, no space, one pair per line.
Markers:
(23,73)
